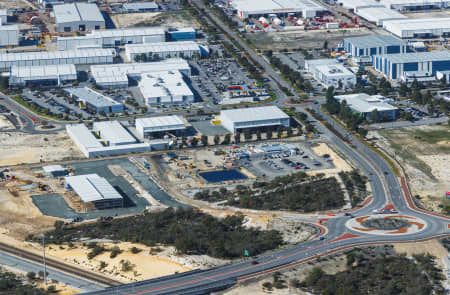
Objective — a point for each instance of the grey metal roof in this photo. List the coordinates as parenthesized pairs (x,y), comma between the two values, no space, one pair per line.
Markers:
(144,31)
(83,136)
(140,5)
(364,103)
(43,71)
(9,28)
(113,132)
(160,47)
(56,54)
(77,12)
(94,98)
(254,114)
(92,187)
(372,41)
(53,168)
(418,57)
(420,24)
(161,121)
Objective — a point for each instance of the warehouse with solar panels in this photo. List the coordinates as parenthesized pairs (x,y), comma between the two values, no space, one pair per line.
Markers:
(94,189)
(157,127)
(409,66)
(419,28)
(117,75)
(42,58)
(113,38)
(250,118)
(163,50)
(78,17)
(42,75)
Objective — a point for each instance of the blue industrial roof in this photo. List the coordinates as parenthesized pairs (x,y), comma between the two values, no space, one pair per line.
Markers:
(417,57)
(372,41)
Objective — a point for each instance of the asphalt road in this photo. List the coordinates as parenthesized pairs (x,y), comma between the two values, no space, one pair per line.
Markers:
(19,264)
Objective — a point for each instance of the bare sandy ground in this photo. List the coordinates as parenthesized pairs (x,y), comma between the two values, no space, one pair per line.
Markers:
(339,163)
(164,19)
(5,123)
(432,247)
(31,148)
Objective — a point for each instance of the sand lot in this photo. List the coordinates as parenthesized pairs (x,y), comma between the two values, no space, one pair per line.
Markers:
(339,163)
(31,148)
(432,247)
(424,153)
(173,19)
(5,123)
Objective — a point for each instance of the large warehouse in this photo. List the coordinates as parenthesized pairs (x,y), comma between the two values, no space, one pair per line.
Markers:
(163,50)
(165,88)
(78,17)
(419,28)
(113,38)
(256,8)
(42,75)
(40,58)
(157,127)
(365,104)
(94,100)
(9,35)
(3,16)
(249,118)
(379,15)
(92,188)
(367,46)
(422,64)
(113,133)
(182,34)
(117,75)
(404,5)
(93,147)
(356,4)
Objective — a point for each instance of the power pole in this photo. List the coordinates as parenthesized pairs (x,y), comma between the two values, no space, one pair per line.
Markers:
(45,265)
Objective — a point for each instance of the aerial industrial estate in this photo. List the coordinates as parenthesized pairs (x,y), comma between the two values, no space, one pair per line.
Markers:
(195,147)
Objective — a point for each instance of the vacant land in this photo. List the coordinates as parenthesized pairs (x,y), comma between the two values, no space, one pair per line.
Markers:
(424,152)
(304,39)
(172,19)
(32,148)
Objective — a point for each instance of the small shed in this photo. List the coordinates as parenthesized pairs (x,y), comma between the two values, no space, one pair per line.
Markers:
(55,171)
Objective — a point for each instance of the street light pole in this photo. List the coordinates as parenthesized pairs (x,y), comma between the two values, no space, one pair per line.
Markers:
(45,265)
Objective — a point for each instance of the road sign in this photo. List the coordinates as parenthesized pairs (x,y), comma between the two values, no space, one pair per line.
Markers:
(246,253)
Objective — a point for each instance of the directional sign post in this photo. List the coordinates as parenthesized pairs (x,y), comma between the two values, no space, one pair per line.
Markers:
(246,253)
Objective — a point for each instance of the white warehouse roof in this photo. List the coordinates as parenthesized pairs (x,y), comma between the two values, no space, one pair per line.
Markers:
(83,136)
(45,71)
(113,132)
(254,114)
(118,73)
(356,4)
(392,3)
(379,15)
(128,32)
(158,122)
(77,12)
(364,103)
(92,97)
(51,55)
(92,187)
(159,47)
(140,5)
(417,25)
(162,84)
(53,168)
(9,27)
(269,6)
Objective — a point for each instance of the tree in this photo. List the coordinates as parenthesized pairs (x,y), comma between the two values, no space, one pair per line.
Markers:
(443,82)
(325,44)
(226,139)
(194,141)
(204,140)
(237,137)
(289,131)
(102,113)
(309,128)
(216,139)
(279,132)
(258,134)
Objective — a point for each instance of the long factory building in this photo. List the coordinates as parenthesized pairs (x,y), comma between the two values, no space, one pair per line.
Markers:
(117,75)
(113,38)
(379,15)
(163,50)
(42,75)
(78,17)
(411,5)
(363,48)
(249,118)
(354,5)
(157,127)
(107,143)
(39,58)
(409,65)
(256,8)
(419,28)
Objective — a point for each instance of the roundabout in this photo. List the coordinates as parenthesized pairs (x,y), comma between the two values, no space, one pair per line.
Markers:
(386,224)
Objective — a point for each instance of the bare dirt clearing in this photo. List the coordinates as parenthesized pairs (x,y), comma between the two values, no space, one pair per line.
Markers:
(172,19)
(424,152)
